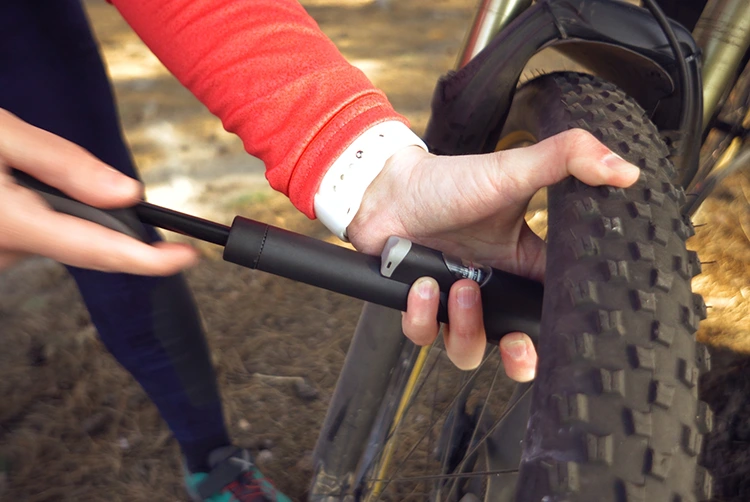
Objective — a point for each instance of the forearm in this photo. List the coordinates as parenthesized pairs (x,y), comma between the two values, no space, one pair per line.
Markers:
(272,77)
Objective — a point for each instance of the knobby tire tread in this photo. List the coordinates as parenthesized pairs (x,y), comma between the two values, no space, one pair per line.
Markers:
(615,415)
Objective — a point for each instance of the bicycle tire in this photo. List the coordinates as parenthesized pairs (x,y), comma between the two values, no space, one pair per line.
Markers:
(615,414)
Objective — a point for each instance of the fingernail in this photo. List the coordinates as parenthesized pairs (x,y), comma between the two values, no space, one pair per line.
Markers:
(467,297)
(427,288)
(617,163)
(516,349)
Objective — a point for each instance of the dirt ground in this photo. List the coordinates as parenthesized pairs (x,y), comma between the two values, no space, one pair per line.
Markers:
(75,426)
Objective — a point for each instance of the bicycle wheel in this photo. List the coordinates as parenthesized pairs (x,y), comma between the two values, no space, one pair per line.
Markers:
(614,414)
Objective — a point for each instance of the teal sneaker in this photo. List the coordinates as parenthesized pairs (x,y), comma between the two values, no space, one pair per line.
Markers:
(233,478)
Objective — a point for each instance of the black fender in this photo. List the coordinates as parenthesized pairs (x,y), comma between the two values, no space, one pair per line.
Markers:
(617,41)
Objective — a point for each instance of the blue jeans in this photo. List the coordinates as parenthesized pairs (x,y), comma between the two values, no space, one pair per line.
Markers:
(52,76)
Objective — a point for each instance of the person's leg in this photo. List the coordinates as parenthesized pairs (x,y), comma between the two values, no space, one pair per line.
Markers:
(51,76)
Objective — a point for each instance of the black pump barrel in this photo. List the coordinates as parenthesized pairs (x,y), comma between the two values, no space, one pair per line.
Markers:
(277,251)
(510,302)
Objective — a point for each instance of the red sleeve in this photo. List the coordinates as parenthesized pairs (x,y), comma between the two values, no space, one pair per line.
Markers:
(272,77)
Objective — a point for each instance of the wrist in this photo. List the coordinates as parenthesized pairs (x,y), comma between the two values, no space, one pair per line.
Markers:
(342,189)
(390,203)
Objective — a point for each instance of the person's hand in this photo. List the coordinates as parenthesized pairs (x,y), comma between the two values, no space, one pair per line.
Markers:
(29,226)
(473,207)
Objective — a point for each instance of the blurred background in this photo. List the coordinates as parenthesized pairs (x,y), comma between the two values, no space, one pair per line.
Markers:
(74,425)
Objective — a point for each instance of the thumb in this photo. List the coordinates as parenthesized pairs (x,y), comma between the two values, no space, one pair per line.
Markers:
(64,165)
(570,153)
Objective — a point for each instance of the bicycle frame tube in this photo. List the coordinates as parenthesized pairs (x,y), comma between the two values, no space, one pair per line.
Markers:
(492,16)
(723,33)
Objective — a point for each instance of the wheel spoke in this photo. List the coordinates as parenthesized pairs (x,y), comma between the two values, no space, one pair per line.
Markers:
(496,424)
(443,413)
(472,449)
(444,460)
(411,399)
(478,421)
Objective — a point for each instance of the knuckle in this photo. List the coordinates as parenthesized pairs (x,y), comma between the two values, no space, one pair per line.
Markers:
(73,174)
(578,138)
(578,143)
(462,331)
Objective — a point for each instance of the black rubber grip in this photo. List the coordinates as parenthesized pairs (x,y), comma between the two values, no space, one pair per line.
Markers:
(124,221)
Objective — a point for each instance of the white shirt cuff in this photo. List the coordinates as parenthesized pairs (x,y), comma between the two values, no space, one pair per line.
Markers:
(340,193)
